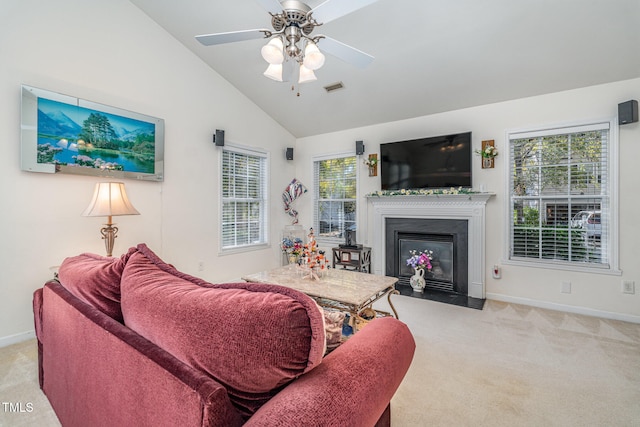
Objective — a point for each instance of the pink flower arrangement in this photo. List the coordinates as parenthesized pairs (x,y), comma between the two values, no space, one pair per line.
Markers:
(420,260)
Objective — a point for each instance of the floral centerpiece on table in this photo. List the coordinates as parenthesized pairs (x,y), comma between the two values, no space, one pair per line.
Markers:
(489,152)
(312,260)
(420,260)
(293,248)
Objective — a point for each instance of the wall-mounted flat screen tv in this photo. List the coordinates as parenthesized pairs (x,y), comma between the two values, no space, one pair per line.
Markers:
(427,163)
(64,134)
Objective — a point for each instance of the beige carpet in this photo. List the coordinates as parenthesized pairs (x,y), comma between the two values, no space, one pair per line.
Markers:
(507,365)
(514,365)
(22,402)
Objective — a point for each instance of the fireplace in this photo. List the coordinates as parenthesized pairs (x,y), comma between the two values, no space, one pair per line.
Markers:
(445,238)
(469,209)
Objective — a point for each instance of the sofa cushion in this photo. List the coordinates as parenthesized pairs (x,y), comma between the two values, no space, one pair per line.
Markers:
(252,338)
(95,279)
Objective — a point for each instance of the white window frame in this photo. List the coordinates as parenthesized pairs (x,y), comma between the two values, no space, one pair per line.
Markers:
(264,202)
(329,241)
(612,183)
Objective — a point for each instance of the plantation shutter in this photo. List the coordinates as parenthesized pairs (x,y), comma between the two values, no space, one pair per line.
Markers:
(559,191)
(244,198)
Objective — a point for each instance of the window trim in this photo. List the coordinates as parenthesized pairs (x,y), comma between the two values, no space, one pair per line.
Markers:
(249,151)
(334,241)
(613,194)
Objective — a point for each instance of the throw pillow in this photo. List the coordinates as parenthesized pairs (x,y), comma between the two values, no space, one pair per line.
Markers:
(95,279)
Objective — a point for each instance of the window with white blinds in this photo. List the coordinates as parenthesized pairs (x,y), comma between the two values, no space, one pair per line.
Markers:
(244,198)
(560,201)
(335,185)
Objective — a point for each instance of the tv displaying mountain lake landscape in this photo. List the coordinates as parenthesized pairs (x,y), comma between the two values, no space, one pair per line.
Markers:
(71,135)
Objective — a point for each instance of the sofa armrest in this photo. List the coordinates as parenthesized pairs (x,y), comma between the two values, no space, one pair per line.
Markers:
(37,313)
(98,372)
(352,386)
(37,324)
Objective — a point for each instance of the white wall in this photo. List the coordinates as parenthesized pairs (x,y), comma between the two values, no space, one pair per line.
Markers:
(112,53)
(596,294)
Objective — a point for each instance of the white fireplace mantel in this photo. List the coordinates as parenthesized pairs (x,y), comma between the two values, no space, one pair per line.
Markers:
(469,207)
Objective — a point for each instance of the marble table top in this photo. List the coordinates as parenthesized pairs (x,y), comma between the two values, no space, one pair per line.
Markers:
(350,287)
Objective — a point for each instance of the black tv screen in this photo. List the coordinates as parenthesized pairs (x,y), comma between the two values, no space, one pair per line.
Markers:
(427,163)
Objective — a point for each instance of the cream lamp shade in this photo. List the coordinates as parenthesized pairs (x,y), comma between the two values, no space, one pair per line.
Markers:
(272,52)
(109,199)
(306,75)
(313,58)
(274,72)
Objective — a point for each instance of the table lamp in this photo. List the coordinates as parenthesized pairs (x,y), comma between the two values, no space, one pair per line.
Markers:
(109,199)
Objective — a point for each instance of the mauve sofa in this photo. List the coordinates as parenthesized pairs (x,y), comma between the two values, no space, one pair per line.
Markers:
(131,341)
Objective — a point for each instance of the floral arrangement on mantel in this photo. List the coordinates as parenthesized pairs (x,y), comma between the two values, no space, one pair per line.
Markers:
(422,192)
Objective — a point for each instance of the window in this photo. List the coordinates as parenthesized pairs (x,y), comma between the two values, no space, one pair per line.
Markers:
(561,197)
(244,198)
(335,184)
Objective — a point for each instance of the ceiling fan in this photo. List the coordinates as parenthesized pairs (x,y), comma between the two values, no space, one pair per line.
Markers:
(291,40)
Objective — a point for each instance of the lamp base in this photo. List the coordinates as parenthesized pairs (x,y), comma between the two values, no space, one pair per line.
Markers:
(109,235)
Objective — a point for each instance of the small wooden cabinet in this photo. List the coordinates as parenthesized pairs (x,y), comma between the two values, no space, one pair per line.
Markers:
(358,259)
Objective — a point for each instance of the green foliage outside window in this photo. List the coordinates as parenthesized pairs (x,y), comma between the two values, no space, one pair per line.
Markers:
(553,178)
(335,196)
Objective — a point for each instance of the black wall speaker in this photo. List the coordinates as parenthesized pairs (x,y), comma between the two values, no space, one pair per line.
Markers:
(628,112)
(218,138)
(289,153)
(359,148)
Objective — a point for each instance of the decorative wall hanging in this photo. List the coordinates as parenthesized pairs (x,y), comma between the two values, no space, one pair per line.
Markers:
(488,153)
(372,164)
(294,190)
(64,134)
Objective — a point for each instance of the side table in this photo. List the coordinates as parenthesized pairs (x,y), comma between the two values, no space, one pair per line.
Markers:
(357,259)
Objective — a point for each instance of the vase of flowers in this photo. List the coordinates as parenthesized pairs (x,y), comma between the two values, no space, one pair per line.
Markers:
(420,262)
(292,247)
(372,163)
(488,153)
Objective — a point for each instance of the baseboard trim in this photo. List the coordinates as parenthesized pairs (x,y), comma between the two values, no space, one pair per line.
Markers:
(567,308)
(14,339)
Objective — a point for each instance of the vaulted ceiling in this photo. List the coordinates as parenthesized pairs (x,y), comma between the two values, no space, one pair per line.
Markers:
(431,56)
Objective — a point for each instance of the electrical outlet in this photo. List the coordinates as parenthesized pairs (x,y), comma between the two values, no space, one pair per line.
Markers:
(628,287)
(496,273)
(566,288)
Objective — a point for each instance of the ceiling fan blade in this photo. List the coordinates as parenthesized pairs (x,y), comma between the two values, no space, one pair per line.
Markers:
(330,10)
(271,6)
(345,52)
(230,37)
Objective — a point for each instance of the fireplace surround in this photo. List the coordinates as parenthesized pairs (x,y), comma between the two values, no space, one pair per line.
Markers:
(446,239)
(462,207)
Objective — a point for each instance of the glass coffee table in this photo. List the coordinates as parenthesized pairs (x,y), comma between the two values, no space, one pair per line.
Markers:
(343,290)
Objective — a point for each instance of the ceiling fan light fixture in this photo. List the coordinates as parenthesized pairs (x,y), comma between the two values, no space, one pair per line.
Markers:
(272,51)
(290,42)
(313,58)
(274,72)
(306,75)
